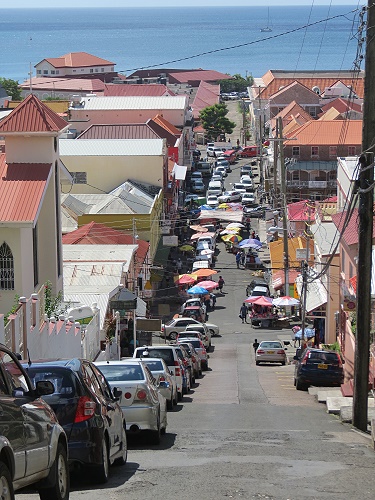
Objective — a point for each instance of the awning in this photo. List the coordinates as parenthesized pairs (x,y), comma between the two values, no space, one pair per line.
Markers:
(179,172)
(230,215)
(316,294)
(141,308)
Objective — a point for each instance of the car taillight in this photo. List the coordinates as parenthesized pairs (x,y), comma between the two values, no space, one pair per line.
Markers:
(339,360)
(85,409)
(161,378)
(304,361)
(141,395)
(260,351)
(280,352)
(177,370)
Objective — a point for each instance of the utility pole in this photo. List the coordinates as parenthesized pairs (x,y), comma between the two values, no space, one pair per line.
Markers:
(365,211)
(275,164)
(285,210)
(305,266)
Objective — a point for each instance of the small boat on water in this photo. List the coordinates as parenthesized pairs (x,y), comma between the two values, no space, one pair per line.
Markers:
(267,28)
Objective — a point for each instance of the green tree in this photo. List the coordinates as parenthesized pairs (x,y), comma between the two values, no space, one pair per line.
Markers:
(12,88)
(52,303)
(215,122)
(237,84)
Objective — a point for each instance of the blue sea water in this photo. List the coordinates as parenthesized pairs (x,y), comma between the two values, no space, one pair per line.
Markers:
(170,37)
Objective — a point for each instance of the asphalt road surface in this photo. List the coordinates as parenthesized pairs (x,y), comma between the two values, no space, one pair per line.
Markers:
(242,432)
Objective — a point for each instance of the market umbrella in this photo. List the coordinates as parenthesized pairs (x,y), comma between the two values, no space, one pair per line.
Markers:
(234,225)
(309,334)
(263,301)
(254,300)
(197,235)
(286,301)
(232,238)
(197,290)
(185,279)
(250,243)
(186,248)
(199,228)
(208,285)
(204,272)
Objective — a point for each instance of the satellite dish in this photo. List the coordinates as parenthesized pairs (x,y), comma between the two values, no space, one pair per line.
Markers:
(316,90)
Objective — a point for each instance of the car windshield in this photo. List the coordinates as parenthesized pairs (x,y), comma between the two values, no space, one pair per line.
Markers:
(165,354)
(153,365)
(195,343)
(117,373)
(63,381)
(270,345)
(330,357)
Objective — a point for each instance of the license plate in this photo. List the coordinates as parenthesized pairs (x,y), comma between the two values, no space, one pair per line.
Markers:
(270,352)
(322,366)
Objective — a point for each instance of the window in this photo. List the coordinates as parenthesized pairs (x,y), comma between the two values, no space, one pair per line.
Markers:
(333,151)
(112,68)
(6,268)
(74,70)
(57,72)
(295,151)
(295,175)
(96,70)
(38,71)
(53,72)
(102,70)
(91,70)
(352,151)
(312,111)
(314,150)
(45,72)
(79,177)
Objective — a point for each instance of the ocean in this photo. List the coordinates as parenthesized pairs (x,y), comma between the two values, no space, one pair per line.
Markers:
(226,39)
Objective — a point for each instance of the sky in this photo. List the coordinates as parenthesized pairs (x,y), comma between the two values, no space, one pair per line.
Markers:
(174,3)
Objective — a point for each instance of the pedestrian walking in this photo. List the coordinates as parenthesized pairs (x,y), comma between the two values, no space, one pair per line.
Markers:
(221,283)
(179,265)
(243,313)
(238,259)
(295,330)
(243,257)
(253,235)
(255,345)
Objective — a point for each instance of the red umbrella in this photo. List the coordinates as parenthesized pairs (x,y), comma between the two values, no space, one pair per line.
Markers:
(266,301)
(185,279)
(208,285)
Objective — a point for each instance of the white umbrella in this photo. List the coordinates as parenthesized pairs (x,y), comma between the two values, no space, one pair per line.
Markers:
(285,301)
(206,251)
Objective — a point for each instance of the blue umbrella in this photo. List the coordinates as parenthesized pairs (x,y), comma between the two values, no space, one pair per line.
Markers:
(197,290)
(249,243)
(309,333)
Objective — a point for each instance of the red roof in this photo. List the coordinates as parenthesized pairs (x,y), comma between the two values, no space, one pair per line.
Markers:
(32,116)
(77,59)
(22,186)
(152,90)
(276,79)
(353,283)
(350,236)
(100,234)
(207,95)
(65,84)
(278,277)
(342,105)
(299,211)
(205,75)
(328,133)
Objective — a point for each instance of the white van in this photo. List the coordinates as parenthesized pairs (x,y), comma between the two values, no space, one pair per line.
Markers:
(200,264)
(215,187)
(209,239)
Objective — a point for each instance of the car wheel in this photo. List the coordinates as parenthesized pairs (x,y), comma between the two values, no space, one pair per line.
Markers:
(170,403)
(173,336)
(122,460)
(294,382)
(59,477)
(205,367)
(300,386)
(175,400)
(179,397)
(155,435)
(257,363)
(102,471)
(283,363)
(200,373)
(6,486)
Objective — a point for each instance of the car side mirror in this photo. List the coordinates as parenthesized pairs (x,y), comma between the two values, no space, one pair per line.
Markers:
(117,393)
(44,388)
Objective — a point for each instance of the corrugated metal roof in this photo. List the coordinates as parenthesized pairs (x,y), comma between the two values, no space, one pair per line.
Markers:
(329,133)
(111,147)
(87,299)
(32,116)
(141,89)
(99,253)
(326,236)
(118,131)
(65,84)
(22,186)
(75,59)
(134,102)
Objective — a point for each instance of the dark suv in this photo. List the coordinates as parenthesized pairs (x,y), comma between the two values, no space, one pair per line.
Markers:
(88,411)
(317,367)
(33,446)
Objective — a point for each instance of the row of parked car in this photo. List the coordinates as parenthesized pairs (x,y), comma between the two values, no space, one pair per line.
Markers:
(61,415)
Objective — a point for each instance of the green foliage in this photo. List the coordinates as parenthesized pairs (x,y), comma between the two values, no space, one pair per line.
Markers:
(15,306)
(52,303)
(237,84)
(53,99)
(215,122)
(332,347)
(110,327)
(12,88)
(353,320)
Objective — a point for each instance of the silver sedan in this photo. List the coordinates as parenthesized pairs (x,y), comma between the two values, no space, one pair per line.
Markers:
(270,351)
